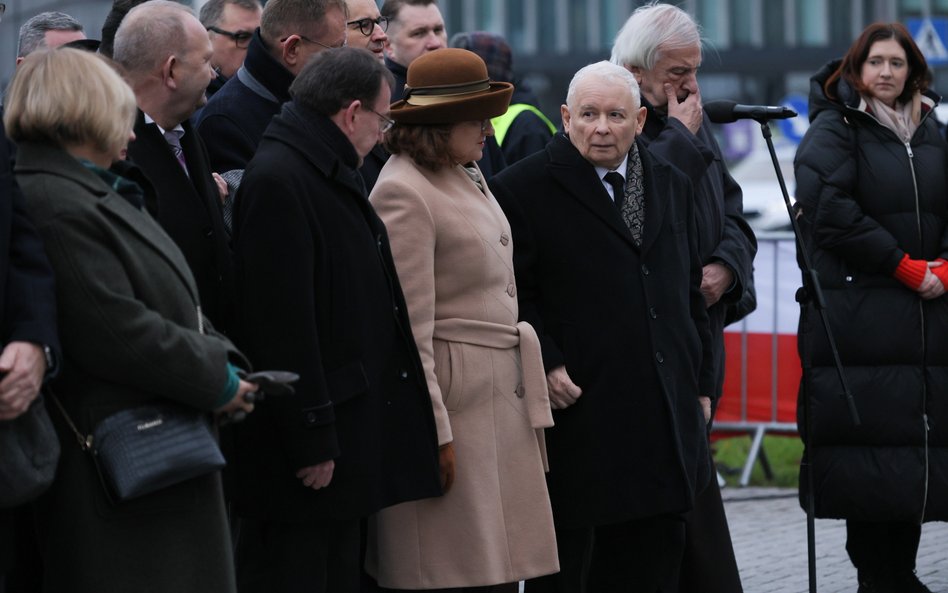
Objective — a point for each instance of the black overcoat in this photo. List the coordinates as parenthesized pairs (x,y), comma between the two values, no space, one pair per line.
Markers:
(318,294)
(630,325)
(189,209)
(866,200)
(723,234)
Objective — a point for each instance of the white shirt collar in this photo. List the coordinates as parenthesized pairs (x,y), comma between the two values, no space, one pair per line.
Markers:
(178,128)
(601,171)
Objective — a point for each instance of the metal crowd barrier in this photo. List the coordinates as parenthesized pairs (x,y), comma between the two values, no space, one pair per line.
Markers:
(759,400)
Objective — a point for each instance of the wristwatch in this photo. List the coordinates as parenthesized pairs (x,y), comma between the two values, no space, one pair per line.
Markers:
(50,361)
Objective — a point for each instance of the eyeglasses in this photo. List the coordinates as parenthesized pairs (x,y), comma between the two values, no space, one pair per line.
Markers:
(367,25)
(241,38)
(345,41)
(386,124)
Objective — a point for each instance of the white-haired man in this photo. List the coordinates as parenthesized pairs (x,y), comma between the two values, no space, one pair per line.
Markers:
(608,273)
(661,45)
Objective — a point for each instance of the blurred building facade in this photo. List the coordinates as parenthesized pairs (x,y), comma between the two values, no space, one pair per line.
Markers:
(758,51)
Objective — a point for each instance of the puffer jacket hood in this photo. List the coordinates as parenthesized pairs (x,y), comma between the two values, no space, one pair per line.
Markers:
(847,97)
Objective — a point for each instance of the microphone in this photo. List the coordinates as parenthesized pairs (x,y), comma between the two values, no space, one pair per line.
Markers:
(725,112)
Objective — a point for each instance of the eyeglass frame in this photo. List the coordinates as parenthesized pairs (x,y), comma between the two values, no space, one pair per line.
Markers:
(345,41)
(387,122)
(238,37)
(382,21)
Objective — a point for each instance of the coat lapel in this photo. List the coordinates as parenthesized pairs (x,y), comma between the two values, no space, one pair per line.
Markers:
(143,225)
(578,177)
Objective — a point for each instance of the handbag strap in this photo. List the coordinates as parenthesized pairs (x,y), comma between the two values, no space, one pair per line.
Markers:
(85,441)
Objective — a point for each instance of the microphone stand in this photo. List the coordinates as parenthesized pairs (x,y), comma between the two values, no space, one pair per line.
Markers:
(810,293)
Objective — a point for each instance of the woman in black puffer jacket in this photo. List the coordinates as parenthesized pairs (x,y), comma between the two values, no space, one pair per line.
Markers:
(872,190)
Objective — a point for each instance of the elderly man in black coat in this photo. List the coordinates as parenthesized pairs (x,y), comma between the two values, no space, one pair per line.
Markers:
(608,272)
(319,296)
(661,45)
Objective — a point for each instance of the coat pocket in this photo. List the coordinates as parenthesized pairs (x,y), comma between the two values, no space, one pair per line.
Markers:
(449,370)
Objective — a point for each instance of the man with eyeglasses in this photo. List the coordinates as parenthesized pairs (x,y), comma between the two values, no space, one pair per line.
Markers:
(367,27)
(325,302)
(233,122)
(230,25)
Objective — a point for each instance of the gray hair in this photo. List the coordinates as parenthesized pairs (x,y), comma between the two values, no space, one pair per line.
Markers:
(33,31)
(213,11)
(652,29)
(605,71)
(149,33)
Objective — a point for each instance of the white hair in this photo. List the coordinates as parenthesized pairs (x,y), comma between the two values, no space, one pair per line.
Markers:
(652,29)
(605,71)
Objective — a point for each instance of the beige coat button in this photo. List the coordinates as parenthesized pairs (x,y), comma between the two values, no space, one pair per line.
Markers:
(504,239)
(511,290)
(520,391)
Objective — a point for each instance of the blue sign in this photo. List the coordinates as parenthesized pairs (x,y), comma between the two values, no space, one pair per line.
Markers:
(931,35)
(794,128)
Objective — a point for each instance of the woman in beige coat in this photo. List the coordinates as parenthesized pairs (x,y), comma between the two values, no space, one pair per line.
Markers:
(454,254)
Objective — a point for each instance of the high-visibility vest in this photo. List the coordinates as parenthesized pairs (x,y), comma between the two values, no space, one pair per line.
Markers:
(502,123)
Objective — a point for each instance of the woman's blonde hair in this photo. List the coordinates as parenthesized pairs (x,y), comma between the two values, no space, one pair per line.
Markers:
(69,97)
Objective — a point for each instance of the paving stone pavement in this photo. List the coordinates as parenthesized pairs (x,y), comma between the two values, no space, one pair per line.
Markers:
(768,529)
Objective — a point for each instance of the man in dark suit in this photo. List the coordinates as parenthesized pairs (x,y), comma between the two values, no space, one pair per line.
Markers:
(319,295)
(661,45)
(30,346)
(290,33)
(166,54)
(608,273)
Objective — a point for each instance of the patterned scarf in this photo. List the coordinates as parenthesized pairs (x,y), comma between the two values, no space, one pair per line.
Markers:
(633,208)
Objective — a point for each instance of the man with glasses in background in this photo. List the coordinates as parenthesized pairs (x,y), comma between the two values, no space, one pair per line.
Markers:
(233,122)
(230,25)
(367,27)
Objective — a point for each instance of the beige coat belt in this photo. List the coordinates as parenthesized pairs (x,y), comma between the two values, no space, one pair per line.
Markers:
(498,335)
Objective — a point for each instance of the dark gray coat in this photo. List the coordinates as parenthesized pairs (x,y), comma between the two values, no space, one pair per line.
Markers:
(129,324)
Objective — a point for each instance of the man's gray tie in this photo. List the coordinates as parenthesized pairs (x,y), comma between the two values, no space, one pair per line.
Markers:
(173,138)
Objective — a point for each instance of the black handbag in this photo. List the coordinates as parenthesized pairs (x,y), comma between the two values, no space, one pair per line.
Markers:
(144,449)
(29,453)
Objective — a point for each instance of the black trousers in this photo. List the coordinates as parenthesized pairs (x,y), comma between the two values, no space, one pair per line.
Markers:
(639,556)
(709,565)
(320,557)
(882,549)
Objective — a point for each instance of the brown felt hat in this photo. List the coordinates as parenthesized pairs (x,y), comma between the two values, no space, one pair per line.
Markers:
(448,86)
